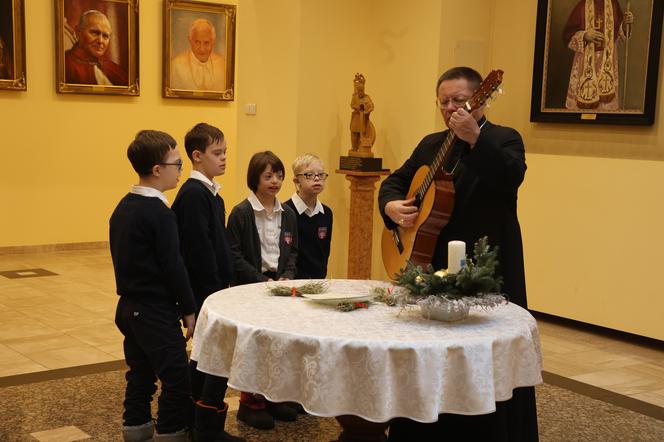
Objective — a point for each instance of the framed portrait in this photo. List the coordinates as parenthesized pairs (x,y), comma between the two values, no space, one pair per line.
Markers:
(96,44)
(199,50)
(596,61)
(12,45)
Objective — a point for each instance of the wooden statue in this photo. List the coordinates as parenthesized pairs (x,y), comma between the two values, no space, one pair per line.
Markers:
(362,131)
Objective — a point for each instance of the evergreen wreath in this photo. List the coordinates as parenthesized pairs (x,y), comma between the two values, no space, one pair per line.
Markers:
(477,279)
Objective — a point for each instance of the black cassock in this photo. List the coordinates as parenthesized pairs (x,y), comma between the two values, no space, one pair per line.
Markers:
(486,182)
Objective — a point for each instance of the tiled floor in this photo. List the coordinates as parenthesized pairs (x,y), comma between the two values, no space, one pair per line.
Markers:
(66,320)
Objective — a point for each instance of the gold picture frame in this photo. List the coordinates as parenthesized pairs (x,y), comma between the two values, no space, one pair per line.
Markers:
(199,50)
(97,47)
(12,45)
(570,85)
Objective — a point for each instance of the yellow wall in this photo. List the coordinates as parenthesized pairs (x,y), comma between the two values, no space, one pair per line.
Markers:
(297,61)
(590,206)
(64,156)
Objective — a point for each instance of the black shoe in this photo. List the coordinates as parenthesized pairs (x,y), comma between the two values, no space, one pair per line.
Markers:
(259,419)
(226,437)
(297,407)
(281,412)
(209,425)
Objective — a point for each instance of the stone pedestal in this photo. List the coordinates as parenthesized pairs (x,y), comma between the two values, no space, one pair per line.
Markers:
(360,231)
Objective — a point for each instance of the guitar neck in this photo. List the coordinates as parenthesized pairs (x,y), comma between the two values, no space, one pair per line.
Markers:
(436,164)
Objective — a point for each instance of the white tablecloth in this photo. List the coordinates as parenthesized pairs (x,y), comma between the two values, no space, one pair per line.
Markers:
(376,363)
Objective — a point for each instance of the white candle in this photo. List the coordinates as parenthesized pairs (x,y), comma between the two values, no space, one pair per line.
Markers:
(456,256)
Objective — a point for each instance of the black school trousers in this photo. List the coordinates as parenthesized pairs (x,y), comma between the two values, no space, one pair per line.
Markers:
(155,348)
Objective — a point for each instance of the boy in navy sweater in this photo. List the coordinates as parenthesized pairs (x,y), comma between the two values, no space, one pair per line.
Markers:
(154,294)
(314,220)
(207,255)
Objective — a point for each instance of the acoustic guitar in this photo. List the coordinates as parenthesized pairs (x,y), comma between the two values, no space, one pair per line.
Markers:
(433,189)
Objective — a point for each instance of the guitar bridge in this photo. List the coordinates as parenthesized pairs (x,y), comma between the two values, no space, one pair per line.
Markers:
(397,239)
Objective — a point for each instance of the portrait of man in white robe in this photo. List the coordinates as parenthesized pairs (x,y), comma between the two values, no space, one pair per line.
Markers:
(199,67)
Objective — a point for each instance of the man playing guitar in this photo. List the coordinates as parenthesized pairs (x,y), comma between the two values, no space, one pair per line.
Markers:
(487,165)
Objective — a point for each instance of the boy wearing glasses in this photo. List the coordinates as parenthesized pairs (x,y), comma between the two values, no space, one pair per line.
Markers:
(201,216)
(154,291)
(314,219)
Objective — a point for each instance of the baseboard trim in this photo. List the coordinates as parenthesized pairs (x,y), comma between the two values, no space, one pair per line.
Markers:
(61,373)
(598,329)
(47,248)
(65,372)
(604,395)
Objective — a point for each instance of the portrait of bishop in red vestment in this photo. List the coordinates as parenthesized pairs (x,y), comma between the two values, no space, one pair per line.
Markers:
(97,55)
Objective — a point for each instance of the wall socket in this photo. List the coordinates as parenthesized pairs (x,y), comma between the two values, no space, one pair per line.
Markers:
(250,109)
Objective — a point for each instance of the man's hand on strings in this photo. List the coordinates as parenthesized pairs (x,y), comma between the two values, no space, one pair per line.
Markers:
(464,126)
(402,212)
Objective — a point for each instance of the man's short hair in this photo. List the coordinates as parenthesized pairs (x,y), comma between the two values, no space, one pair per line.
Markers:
(148,149)
(200,22)
(471,75)
(303,161)
(83,19)
(200,137)
(258,164)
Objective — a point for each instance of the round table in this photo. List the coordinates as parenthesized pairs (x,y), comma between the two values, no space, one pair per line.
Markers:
(376,363)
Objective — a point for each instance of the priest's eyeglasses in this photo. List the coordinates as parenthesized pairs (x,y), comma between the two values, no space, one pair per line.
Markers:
(177,164)
(456,101)
(310,176)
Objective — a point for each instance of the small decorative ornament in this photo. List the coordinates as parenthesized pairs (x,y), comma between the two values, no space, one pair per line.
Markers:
(350,306)
(310,288)
(387,296)
(322,232)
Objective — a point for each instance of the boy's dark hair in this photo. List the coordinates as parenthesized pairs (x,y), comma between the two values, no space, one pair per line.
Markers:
(148,149)
(200,137)
(471,75)
(259,163)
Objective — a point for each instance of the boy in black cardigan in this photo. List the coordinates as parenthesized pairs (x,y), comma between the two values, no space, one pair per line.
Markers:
(154,294)
(314,219)
(201,216)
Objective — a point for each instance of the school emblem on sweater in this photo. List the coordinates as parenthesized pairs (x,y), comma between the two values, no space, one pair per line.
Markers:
(288,238)
(322,232)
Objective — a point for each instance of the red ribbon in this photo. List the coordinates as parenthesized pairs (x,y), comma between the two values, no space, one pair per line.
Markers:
(293,291)
(361,305)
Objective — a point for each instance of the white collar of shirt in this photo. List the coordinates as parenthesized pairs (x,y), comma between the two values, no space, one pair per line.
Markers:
(212,185)
(258,207)
(101,77)
(149,191)
(207,64)
(301,206)
(201,72)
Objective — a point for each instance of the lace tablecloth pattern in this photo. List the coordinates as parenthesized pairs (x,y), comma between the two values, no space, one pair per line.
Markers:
(376,363)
